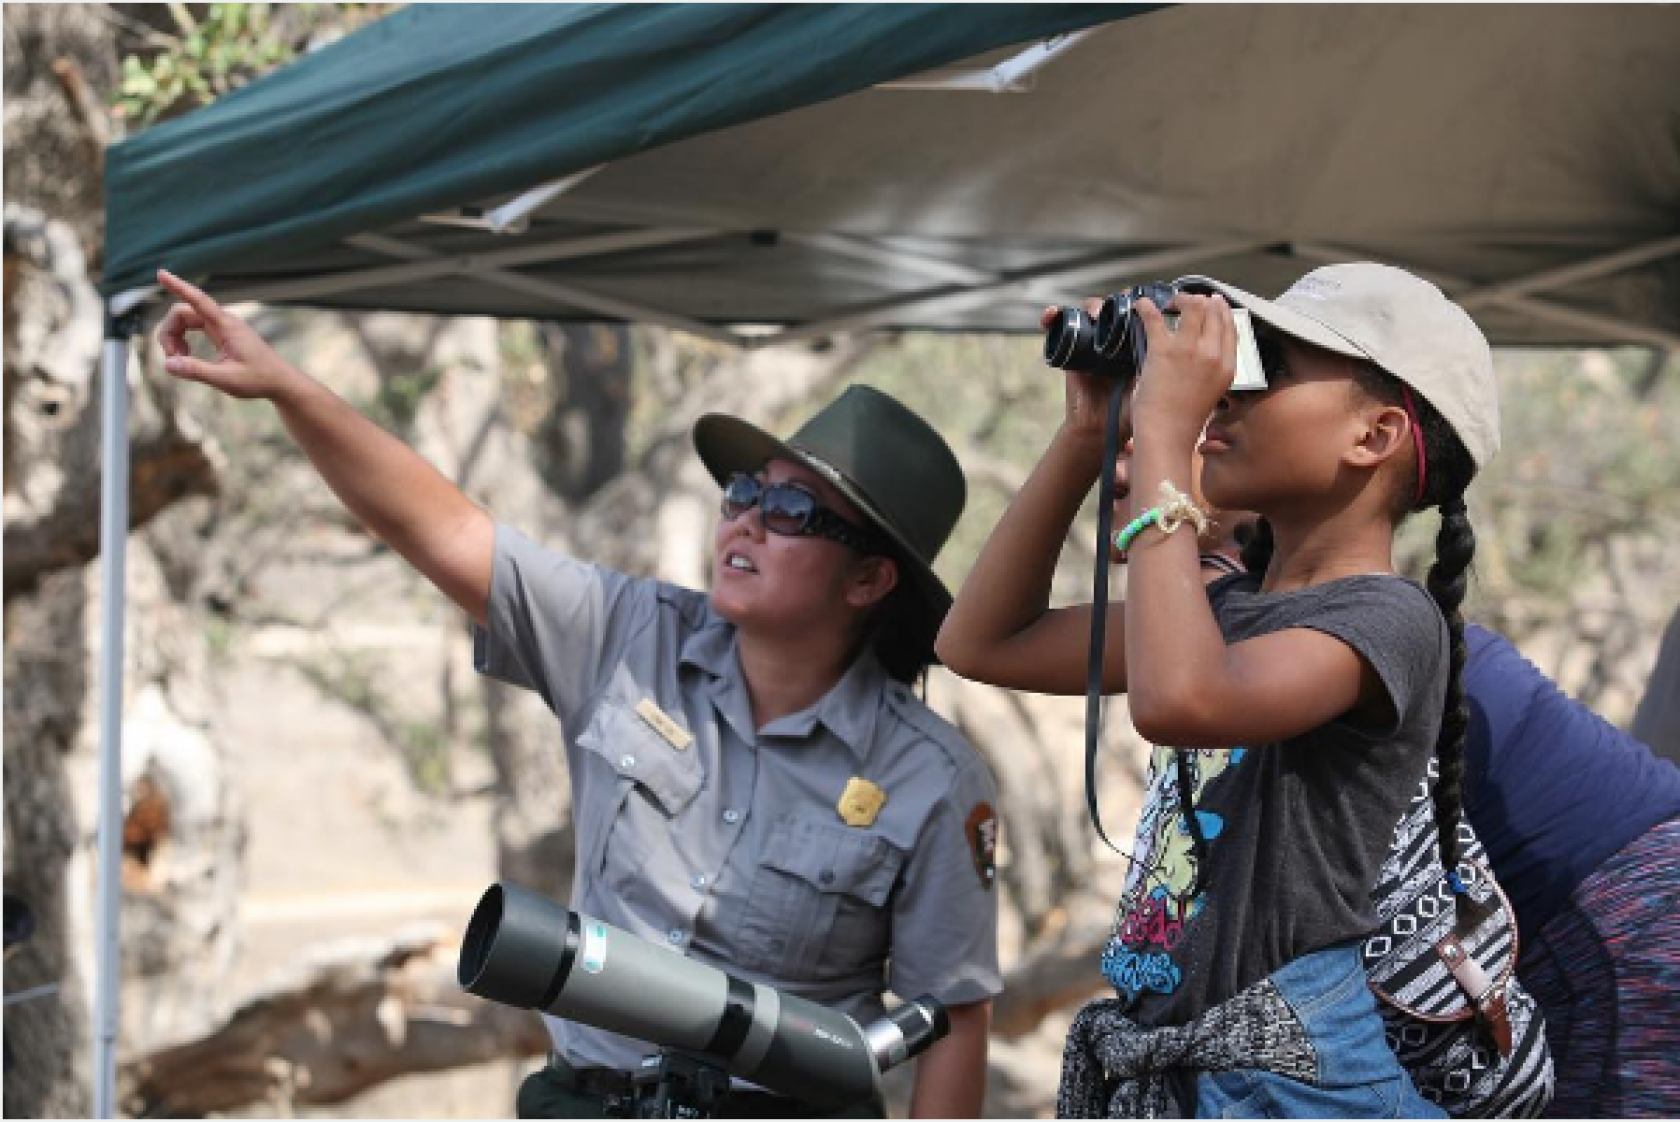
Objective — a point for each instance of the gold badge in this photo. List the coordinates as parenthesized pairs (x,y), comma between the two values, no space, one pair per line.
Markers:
(675,735)
(860,802)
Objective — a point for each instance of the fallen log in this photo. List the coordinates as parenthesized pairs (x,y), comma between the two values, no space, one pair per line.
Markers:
(354,1018)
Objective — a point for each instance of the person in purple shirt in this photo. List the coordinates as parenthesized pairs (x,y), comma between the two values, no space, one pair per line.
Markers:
(1582,827)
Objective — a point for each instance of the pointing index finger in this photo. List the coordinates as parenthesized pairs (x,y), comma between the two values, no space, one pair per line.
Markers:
(200,301)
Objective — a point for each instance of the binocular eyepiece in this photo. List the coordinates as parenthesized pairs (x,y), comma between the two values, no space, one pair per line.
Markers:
(1112,345)
(526,951)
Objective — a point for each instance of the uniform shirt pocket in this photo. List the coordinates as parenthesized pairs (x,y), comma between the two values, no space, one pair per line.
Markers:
(817,910)
(642,766)
(624,742)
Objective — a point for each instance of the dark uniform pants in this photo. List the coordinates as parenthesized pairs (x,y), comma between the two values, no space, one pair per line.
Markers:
(556,1091)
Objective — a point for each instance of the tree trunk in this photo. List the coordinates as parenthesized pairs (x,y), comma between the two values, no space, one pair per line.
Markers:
(46,681)
(61,66)
(580,443)
(48,351)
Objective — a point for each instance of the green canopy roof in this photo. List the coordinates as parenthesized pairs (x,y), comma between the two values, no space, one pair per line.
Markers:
(441,105)
(784,171)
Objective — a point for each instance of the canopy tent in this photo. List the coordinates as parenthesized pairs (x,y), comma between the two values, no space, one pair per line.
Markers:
(711,168)
(764,174)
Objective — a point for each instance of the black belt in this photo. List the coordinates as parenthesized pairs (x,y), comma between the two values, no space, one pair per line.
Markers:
(618,1087)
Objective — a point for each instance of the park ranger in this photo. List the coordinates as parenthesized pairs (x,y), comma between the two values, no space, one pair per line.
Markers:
(755,783)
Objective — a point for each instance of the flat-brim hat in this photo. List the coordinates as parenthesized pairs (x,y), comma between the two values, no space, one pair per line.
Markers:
(1402,323)
(886,460)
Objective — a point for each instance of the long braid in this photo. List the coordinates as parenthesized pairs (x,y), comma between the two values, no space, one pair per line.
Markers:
(1455,545)
(1448,471)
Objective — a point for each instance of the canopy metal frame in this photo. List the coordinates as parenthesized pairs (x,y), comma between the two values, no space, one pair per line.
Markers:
(956,285)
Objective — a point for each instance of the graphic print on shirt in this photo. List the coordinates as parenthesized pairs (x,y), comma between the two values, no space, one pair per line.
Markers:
(1157,906)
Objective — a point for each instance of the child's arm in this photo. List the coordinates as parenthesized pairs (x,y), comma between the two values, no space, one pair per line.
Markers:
(1001,629)
(1194,690)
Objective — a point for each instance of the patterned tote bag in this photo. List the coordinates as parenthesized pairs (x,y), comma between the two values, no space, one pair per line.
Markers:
(1443,966)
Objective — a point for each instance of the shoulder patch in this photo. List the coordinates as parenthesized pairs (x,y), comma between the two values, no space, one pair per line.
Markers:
(982,832)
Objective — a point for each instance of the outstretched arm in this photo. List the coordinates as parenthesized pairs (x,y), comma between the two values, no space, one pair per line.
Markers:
(1001,628)
(401,499)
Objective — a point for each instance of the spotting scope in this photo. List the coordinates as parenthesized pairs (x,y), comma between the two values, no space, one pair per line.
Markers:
(527,951)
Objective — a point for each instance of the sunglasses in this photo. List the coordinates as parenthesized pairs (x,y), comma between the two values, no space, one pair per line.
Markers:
(792,511)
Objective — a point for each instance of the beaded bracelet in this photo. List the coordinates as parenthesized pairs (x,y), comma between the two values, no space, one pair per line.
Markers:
(1175,510)
(1129,532)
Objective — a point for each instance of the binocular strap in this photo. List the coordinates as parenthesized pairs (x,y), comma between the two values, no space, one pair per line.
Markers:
(1099,609)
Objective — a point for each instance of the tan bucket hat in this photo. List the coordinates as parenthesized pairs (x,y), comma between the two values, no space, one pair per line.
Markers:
(1402,323)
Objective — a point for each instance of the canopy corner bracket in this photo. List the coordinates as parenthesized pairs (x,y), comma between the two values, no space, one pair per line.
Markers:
(1016,74)
(513,216)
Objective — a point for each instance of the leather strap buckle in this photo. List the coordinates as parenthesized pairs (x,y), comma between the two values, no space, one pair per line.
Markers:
(1485,994)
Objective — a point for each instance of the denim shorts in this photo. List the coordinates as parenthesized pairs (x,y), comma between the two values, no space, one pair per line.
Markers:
(1358,1075)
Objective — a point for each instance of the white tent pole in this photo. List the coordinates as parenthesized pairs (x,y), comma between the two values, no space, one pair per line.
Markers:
(422,264)
(113,543)
(1020,284)
(1591,269)
(849,246)
(548,290)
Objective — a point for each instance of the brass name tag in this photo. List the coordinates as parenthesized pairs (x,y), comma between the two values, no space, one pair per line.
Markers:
(675,735)
(861,802)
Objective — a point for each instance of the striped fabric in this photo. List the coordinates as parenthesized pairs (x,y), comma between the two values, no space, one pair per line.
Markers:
(1427,1017)
(1219,563)
(1606,972)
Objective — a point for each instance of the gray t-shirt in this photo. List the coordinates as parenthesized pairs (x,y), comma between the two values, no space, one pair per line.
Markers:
(1297,830)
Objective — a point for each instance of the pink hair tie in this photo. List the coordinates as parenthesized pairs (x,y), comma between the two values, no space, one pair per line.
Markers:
(1417,439)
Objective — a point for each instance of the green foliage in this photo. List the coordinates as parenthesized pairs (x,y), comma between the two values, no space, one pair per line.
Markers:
(219,636)
(1589,456)
(231,45)
(526,388)
(397,403)
(208,58)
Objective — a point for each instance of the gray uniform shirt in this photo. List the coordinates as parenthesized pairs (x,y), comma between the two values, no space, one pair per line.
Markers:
(730,848)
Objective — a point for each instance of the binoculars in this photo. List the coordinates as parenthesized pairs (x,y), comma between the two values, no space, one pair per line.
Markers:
(1114,345)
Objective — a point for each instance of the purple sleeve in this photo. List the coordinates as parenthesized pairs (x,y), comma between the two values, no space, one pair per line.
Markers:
(1552,789)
